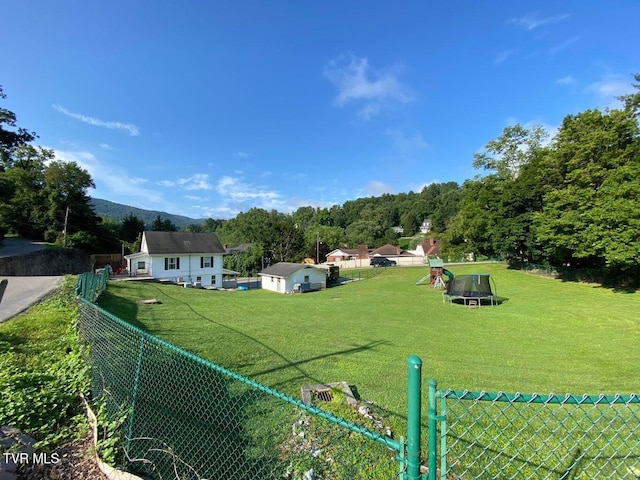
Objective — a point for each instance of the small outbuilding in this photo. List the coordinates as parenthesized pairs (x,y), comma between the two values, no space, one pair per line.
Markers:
(286,277)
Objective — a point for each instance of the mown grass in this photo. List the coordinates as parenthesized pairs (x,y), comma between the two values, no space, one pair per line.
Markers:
(545,336)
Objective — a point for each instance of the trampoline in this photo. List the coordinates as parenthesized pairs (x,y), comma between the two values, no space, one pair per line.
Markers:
(471,289)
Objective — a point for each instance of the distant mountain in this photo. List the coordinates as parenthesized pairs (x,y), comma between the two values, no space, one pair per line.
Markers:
(118,211)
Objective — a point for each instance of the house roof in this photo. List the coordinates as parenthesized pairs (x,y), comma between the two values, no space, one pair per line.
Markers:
(432,247)
(283,269)
(388,251)
(342,251)
(182,242)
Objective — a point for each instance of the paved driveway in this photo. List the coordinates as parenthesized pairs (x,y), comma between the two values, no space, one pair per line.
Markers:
(22,292)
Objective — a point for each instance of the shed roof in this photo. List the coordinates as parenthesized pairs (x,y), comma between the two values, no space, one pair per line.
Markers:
(283,269)
(182,242)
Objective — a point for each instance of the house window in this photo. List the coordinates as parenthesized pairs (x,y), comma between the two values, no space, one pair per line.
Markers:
(199,279)
(213,279)
(141,266)
(206,262)
(306,279)
(172,263)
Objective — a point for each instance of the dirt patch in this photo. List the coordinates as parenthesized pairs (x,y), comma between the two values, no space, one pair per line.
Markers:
(77,462)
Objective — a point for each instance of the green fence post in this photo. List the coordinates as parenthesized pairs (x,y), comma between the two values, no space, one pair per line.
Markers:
(433,386)
(413,417)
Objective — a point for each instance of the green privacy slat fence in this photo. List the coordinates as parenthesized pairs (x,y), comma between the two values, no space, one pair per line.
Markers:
(498,435)
(184,417)
(90,285)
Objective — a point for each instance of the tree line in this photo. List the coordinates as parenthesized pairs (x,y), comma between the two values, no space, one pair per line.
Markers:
(571,200)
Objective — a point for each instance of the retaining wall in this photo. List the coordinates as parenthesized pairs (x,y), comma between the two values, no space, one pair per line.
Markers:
(46,262)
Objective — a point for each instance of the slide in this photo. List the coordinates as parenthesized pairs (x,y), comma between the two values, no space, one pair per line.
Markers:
(426,277)
(448,273)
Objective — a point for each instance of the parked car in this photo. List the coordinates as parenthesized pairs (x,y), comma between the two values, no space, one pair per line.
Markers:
(382,262)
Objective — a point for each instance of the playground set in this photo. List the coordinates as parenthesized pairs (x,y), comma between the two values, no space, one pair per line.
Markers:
(436,271)
(471,289)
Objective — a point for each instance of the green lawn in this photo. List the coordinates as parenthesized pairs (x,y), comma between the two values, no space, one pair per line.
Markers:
(545,336)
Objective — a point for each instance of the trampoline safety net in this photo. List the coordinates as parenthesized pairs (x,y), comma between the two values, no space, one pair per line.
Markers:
(476,286)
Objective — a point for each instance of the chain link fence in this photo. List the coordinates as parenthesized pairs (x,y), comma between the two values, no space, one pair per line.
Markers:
(541,269)
(177,416)
(498,435)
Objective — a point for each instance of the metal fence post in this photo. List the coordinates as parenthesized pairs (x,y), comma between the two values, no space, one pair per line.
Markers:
(413,417)
(433,386)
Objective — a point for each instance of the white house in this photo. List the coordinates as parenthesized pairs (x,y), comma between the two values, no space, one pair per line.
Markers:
(193,258)
(287,277)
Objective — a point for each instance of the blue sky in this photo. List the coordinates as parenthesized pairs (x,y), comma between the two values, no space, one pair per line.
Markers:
(210,108)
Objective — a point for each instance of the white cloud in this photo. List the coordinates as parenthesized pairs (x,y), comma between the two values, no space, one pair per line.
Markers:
(295,177)
(567,80)
(237,190)
(503,56)
(561,46)
(407,144)
(417,188)
(199,181)
(106,146)
(113,183)
(531,22)
(130,128)
(358,83)
(610,87)
(376,188)
(240,154)
(236,196)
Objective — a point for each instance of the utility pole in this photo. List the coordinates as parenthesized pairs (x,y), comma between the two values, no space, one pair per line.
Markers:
(64,231)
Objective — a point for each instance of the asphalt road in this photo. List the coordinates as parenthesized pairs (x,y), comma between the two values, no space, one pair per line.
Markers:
(22,292)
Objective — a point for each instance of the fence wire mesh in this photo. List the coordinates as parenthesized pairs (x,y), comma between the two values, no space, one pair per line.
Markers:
(488,435)
(181,417)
